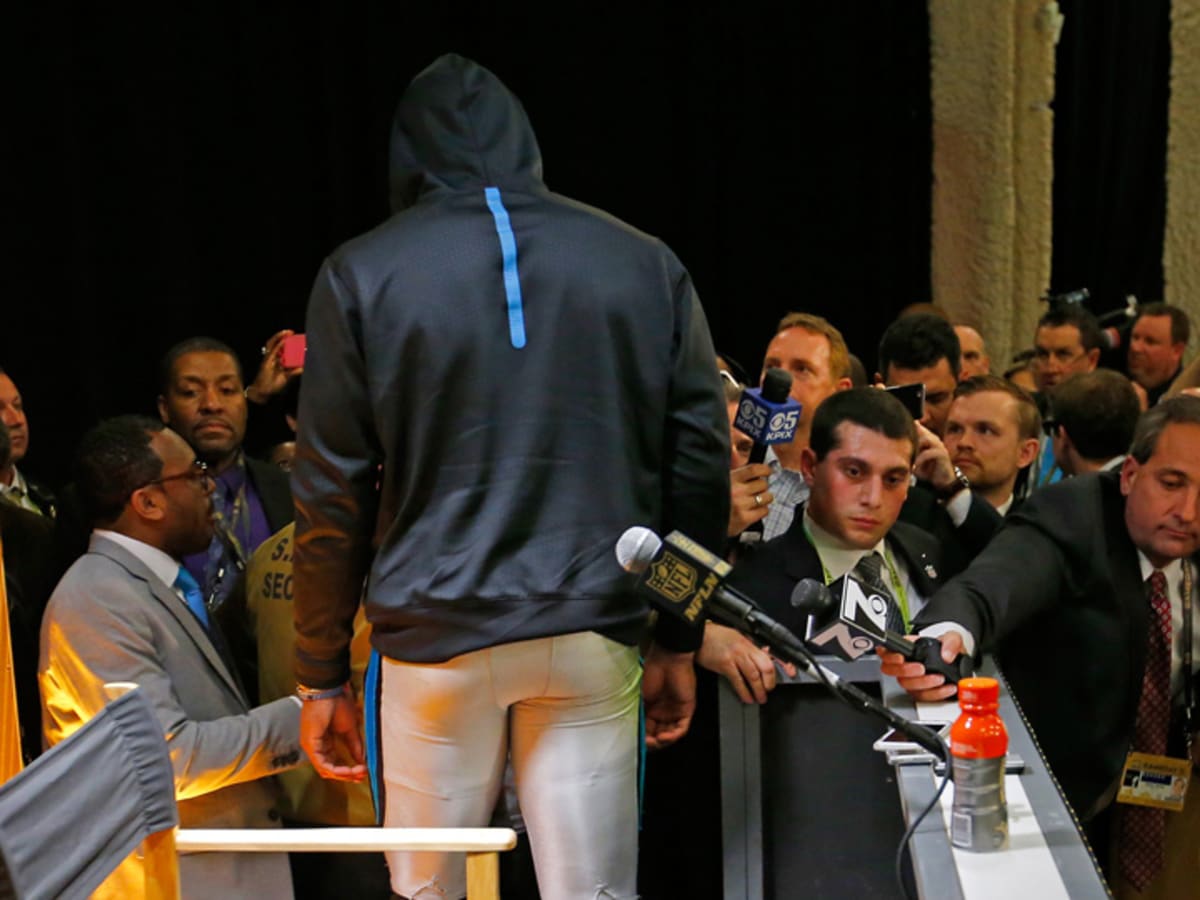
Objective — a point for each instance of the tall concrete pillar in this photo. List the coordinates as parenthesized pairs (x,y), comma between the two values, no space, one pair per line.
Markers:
(1181,251)
(993,130)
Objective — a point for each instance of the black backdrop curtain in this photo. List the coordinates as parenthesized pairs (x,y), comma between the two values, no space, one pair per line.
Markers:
(185,171)
(1110,140)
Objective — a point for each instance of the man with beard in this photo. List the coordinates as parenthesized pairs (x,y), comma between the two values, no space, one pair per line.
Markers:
(992,433)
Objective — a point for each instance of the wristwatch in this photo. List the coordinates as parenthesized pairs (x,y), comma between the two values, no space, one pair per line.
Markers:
(961,483)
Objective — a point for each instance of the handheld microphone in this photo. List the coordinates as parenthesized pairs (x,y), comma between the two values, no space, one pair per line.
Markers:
(848,619)
(685,579)
(767,414)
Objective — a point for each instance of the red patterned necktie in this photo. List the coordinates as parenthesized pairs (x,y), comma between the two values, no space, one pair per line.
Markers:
(1143,827)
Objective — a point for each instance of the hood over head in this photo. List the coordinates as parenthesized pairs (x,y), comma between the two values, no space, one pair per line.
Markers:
(458,126)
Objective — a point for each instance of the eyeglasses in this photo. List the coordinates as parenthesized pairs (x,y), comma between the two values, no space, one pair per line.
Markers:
(197,472)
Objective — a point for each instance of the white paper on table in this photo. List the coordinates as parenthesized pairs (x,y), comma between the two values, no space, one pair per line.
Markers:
(1024,869)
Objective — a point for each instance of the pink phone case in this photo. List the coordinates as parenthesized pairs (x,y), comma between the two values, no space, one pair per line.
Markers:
(291,351)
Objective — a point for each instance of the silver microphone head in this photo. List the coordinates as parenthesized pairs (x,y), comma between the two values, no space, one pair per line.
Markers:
(637,548)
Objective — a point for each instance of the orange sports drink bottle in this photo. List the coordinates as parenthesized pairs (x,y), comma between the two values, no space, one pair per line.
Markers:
(978,747)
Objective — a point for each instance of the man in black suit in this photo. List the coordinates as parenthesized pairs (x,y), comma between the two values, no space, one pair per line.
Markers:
(27,541)
(15,488)
(923,349)
(857,468)
(1060,595)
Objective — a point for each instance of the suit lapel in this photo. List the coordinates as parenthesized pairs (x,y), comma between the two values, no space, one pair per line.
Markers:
(800,557)
(922,562)
(174,606)
(1128,587)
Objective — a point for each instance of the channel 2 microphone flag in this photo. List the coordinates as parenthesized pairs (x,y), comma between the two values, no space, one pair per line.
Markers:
(10,728)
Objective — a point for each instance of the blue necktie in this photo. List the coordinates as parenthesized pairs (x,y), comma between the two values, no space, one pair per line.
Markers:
(191,595)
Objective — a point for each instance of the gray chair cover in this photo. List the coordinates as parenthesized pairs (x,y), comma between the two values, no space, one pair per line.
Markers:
(70,818)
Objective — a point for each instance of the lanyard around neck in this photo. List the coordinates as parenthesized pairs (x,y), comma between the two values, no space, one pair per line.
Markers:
(901,594)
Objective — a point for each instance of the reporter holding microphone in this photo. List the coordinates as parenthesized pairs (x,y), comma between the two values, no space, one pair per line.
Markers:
(1087,597)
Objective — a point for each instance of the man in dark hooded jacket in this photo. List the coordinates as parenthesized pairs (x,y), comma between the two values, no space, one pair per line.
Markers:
(499,382)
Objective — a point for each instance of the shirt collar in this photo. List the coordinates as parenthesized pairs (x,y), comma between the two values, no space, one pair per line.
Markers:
(836,557)
(1173,570)
(1115,463)
(772,459)
(19,486)
(1004,507)
(164,568)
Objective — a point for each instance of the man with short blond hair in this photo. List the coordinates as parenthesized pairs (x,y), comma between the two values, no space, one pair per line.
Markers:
(814,353)
(992,433)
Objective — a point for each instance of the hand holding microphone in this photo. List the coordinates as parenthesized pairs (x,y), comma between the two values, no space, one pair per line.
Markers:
(749,497)
(848,619)
(924,683)
(769,416)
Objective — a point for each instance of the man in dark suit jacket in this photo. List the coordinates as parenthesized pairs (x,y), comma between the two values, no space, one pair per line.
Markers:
(1060,596)
(27,540)
(857,468)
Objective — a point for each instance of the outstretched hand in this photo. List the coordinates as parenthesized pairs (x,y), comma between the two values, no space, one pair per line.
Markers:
(923,686)
(329,733)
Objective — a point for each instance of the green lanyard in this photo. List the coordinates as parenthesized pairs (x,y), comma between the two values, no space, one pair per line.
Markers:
(901,595)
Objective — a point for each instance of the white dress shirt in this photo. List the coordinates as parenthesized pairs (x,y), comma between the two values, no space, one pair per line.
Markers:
(838,558)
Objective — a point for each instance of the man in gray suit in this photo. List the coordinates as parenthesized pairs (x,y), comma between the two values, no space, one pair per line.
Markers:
(127,611)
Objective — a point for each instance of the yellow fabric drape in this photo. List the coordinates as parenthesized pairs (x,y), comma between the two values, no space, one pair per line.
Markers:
(10,728)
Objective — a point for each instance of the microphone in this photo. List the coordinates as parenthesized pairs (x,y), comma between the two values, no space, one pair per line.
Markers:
(855,624)
(685,578)
(1116,326)
(767,414)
